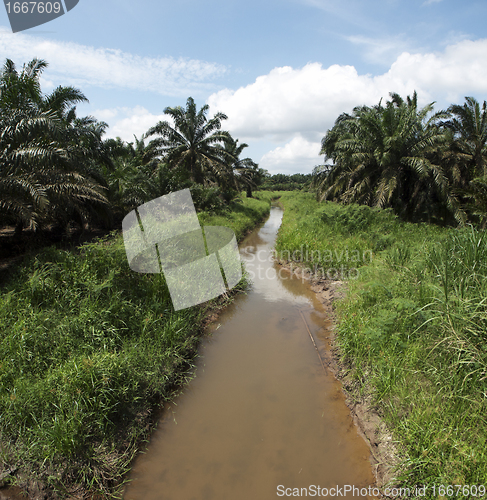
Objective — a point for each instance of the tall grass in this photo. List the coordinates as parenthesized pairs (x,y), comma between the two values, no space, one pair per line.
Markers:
(329,236)
(86,344)
(241,215)
(268,196)
(458,304)
(88,352)
(412,331)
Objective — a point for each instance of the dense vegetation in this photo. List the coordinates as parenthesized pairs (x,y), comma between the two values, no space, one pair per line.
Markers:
(423,165)
(283,182)
(47,154)
(412,330)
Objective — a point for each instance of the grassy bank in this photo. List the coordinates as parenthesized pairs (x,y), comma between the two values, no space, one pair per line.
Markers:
(267,195)
(88,351)
(412,329)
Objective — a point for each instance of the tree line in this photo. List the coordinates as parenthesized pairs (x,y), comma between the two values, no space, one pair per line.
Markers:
(56,168)
(284,182)
(424,165)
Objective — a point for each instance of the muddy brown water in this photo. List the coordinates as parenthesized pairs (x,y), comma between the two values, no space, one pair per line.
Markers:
(261,414)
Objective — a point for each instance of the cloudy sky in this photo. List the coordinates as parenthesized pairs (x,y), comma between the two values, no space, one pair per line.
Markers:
(282,70)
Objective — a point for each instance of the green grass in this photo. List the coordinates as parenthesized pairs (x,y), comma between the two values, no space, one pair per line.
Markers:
(412,329)
(241,215)
(267,195)
(88,352)
(332,237)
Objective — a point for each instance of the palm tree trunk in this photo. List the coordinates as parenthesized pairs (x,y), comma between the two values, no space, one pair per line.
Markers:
(18,230)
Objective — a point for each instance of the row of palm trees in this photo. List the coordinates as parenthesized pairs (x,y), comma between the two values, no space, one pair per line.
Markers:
(423,165)
(189,150)
(56,168)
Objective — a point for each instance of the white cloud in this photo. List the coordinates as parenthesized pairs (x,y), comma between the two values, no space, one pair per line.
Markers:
(127,122)
(107,114)
(458,71)
(296,156)
(306,100)
(295,107)
(83,65)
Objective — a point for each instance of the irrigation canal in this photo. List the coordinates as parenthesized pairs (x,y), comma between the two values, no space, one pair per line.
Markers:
(261,415)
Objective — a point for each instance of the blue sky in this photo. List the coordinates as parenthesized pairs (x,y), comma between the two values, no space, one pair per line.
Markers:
(282,70)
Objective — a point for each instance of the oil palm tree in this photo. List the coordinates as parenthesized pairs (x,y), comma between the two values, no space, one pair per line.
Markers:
(21,91)
(194,143)
(350,145)
(135,175)
(244,168)
(24,153)
(469,126)
(382,156)
(42,178)
(467,156)
(45,151)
